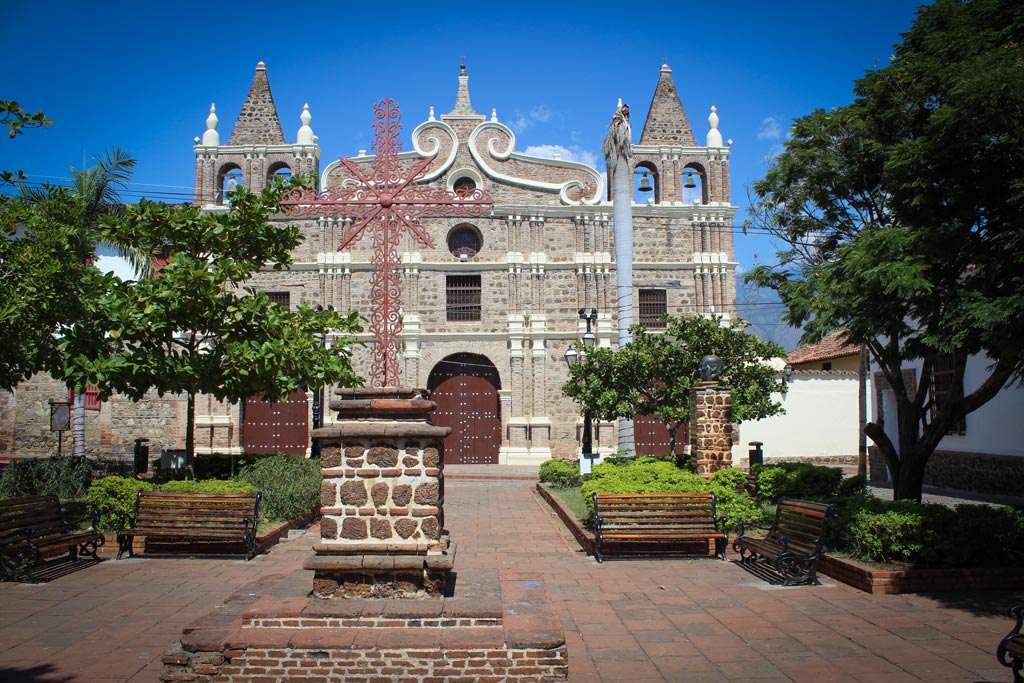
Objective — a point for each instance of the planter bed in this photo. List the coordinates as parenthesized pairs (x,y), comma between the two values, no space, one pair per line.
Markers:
(895,581)
(860,576)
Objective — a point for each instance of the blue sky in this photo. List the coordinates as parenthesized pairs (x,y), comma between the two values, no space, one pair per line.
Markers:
(142,75)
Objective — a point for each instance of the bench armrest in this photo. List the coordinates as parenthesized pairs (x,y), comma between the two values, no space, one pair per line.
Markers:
(94,522)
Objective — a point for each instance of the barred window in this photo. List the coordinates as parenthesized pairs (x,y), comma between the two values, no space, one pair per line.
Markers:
(464,241)
(942,389)
(463,297)
(282,299)
(653,304)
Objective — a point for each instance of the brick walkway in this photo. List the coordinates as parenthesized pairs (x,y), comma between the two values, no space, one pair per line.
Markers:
(625,620)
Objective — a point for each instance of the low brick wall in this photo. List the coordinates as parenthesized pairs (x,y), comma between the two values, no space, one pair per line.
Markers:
(491,629)
(894,582)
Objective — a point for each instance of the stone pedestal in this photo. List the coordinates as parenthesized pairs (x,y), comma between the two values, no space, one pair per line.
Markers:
(382,498)
(710,428)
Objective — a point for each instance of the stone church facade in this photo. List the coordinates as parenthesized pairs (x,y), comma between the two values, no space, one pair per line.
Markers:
(489,311)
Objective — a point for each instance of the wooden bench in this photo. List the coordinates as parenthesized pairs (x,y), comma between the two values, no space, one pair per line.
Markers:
(657,523)
(193,517)
(1010,652)
(33,527)
(793,544)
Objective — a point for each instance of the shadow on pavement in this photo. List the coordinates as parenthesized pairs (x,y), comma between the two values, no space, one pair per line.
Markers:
(44,673)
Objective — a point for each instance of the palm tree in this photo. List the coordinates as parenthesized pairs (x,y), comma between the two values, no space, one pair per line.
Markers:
(94,192)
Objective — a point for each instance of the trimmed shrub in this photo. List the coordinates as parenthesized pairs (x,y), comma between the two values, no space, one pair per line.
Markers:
(796,480)
(290,485)
(660,475)
(730,477)
(113,499)
(890,536)
(64,477)
(207,486)
(562,473)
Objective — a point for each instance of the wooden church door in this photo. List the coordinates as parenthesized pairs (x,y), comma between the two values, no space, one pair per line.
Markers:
(465,388)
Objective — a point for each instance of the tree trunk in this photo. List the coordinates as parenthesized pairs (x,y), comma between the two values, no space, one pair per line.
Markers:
(190,429)
(622,199)
(78,427)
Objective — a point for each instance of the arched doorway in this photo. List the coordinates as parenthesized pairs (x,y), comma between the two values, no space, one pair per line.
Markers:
(465,388)
(278,427)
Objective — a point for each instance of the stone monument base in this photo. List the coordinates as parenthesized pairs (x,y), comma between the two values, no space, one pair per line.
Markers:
(353,574)
(494,627)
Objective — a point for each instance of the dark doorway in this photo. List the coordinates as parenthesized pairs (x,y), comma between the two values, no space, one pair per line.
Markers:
(651,437)
(279,427)
(465,387)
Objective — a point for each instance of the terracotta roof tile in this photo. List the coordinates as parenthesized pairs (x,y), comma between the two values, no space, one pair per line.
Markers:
(830,347)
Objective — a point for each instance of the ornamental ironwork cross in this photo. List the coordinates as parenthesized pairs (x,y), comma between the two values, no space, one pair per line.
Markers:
(386,202)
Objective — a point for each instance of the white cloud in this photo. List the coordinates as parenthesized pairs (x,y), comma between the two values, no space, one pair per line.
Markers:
(770,129)
(521,121)
(574,153)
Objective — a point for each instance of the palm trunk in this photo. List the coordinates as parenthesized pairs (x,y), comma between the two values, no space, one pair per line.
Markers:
(617,155)
(78,427)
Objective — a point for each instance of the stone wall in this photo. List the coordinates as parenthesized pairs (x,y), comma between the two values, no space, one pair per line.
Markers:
(979,472)
(710,427)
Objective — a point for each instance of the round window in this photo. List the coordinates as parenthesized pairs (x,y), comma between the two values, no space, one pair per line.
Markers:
(464,241)
(464,186)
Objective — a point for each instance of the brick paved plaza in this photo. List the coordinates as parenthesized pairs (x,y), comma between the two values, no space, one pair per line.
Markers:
(624,620)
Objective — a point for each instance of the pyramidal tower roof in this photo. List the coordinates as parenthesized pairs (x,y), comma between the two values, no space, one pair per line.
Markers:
(463,108)
(666,120)
(258,123)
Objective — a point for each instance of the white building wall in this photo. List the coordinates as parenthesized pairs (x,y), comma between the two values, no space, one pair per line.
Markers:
(821,420)
(993,429)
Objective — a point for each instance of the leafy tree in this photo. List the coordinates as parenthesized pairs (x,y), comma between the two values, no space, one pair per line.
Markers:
(193,327)
(902,215)
(49,280)
(654,373)
(16,119)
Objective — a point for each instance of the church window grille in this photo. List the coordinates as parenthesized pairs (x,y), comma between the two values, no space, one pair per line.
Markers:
(462,297)
(653,304)
(282,299)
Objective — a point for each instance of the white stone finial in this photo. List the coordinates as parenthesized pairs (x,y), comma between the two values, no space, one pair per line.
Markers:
(620,103)
(431,117)
(714,138)
(305,135)
(494,114)
(211,138)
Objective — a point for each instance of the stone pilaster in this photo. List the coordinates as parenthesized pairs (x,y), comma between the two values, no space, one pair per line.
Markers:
(710,428)
(382,498)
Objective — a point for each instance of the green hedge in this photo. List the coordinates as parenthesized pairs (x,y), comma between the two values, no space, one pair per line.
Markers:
(927,535)
(208,486)
(561,473)
(113,499)
(797,480)
(290,485)
(64,477)
(646,474)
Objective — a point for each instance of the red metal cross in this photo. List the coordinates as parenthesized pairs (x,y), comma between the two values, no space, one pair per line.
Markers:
(386,202)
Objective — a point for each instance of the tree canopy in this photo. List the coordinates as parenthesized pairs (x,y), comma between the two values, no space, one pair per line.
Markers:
(902,216)
(654,373)
(194,327)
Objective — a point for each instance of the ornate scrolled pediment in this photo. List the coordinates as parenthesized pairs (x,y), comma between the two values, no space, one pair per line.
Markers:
(491,145)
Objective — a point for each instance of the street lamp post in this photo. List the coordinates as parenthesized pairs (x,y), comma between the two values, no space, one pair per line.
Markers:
(573,357)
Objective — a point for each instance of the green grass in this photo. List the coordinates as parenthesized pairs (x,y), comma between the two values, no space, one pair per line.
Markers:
(572,498)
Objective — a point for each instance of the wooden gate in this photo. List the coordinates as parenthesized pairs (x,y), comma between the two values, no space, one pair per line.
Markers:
(279,427)
(465,387)
(651,437)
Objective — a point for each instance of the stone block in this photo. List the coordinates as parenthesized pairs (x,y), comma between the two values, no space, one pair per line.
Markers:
(353,493)
(353,528)
(379,492)
(382,456)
